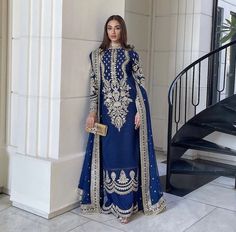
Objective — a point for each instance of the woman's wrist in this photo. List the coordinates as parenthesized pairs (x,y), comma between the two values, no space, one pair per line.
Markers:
(92,114)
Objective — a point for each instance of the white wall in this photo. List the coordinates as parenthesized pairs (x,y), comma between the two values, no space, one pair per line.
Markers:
(81,33)
(169,34)
(182,34)
(138,17)
(228,7)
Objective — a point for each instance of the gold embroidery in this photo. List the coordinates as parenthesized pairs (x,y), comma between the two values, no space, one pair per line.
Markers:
(118,211)
(93,91)
(143,150)
(138,71)
(94,207)
(148,208)
(121,186)
(158,207)
(116,93)
(123,179)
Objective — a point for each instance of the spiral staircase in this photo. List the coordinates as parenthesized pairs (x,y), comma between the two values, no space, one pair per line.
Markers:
(194,115)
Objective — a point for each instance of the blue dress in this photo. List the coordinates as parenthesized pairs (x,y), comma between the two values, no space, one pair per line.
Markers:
(119,173)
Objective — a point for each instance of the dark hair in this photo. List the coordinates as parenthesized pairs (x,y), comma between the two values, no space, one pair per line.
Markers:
(123,36)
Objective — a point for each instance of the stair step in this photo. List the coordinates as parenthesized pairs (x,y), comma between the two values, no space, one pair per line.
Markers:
(229,107)
(204,145)
(223,127)
(201,167)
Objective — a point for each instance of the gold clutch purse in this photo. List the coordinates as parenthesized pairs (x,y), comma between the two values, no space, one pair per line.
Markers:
(99,129)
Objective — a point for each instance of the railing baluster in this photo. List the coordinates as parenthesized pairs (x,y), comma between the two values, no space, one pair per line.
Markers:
(199,83)
(180,95)
(172,110)
(198,88)
(185,99)
(193,80)
(175,109)
(224,77)
(175,91)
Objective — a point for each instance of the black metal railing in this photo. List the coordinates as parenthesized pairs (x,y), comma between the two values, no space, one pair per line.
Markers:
(188,92)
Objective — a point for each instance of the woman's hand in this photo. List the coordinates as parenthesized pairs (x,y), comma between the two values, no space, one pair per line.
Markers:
(137,121)
(91,119)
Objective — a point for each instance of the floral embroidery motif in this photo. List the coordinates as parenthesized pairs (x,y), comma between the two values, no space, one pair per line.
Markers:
(137,70)
(116,95)
(123,185)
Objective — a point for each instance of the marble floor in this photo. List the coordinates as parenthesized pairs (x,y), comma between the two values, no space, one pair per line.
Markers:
(209,208)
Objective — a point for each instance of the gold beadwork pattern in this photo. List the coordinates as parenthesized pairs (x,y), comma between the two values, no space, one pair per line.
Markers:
(143,149)
(138,71)
(93,91)
(118,211)
(121,186)
(148,207)
(94,207)
(116,93)
(157,208)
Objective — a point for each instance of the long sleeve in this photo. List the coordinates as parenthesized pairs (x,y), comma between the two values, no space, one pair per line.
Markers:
(93,89)
(137,69)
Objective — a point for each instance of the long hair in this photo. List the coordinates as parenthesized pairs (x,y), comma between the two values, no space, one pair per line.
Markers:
(123,33)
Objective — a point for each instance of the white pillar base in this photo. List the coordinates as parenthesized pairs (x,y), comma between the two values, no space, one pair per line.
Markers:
(44,214)
(45,187)
(4,170)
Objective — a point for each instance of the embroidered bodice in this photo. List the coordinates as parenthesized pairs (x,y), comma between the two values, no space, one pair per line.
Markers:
(119,69)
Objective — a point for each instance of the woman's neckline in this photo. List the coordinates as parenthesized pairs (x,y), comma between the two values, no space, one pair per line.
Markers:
(115,45)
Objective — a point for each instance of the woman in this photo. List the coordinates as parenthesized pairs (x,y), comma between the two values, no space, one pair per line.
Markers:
(119,174)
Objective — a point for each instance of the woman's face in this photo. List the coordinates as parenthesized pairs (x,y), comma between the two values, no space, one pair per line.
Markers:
(114,31)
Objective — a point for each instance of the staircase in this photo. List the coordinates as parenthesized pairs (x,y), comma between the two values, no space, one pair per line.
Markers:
(193,116)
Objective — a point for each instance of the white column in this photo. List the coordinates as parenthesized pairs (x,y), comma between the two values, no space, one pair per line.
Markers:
(3,86)
(49,101)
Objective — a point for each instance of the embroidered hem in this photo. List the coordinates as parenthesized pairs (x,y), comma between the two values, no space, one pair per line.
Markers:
(118,212)
(157,208)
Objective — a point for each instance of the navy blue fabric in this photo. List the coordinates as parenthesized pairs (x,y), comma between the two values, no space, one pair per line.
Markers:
(120,150)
